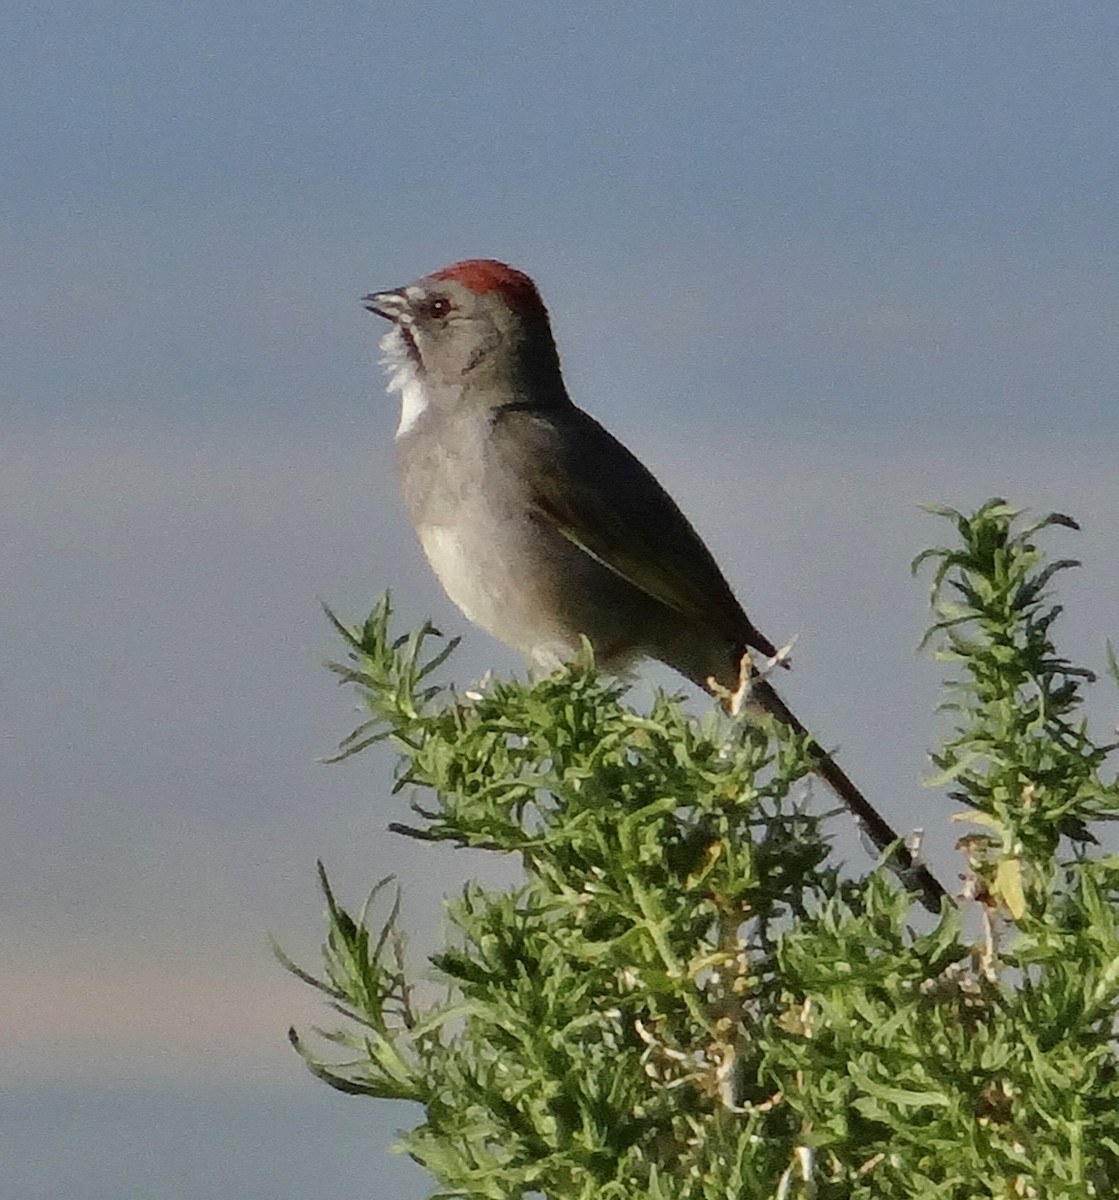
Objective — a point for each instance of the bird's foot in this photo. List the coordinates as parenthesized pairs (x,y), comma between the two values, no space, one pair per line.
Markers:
(735,699)
(477,691)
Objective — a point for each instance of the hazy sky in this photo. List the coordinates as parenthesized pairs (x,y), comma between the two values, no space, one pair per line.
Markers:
(815,262)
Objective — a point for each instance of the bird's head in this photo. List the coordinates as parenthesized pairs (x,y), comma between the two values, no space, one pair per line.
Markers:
(474,333)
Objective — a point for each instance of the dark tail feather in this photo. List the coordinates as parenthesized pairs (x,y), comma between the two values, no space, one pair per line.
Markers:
(913,874)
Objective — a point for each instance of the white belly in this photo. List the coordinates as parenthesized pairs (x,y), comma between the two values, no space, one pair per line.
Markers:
(476,578)
(463,575)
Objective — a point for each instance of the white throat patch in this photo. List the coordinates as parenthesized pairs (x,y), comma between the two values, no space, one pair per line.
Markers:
(403,378)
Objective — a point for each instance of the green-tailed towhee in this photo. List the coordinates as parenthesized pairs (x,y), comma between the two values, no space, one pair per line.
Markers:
(544,528)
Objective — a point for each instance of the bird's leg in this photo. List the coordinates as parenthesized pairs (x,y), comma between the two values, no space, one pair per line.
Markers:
(733,701)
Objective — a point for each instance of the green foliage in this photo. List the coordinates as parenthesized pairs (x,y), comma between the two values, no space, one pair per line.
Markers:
(684,1001)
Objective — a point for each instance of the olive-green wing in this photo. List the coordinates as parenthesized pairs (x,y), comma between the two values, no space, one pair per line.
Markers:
(595,493)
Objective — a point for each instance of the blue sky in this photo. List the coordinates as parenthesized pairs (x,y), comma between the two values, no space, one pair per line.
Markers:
(815,262)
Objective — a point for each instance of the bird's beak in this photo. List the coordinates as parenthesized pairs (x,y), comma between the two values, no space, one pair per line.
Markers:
(390,305)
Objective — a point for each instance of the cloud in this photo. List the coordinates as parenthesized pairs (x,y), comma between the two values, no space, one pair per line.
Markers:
(164,709)
(165,704)
(886,341)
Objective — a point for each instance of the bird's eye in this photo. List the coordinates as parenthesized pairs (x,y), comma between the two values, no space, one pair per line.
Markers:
(439,307)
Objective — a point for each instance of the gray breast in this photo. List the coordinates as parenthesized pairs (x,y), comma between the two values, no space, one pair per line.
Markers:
(491,555)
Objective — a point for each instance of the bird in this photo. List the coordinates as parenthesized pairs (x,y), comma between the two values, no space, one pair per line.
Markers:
(544,529)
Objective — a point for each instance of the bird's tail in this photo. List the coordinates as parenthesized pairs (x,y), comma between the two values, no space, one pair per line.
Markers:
(913,874)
